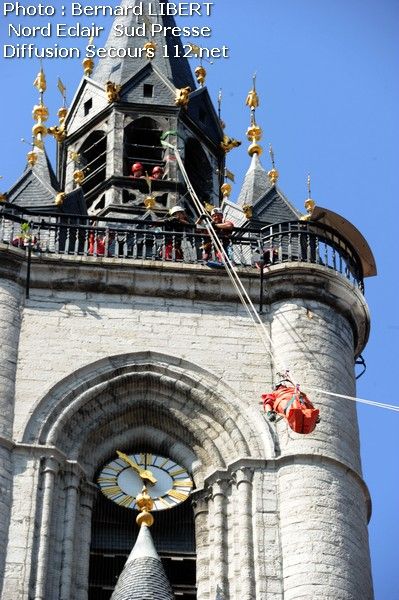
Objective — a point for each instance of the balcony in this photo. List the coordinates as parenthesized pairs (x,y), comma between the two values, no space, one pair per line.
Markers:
(254,251)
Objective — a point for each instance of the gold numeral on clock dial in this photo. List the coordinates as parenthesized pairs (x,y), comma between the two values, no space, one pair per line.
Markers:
(180,496)
(183,483)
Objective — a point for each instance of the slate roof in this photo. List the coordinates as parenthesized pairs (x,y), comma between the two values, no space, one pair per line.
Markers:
(269,205)
(256,183)
(177,70)
(143,576)
(274,207)
(38,185)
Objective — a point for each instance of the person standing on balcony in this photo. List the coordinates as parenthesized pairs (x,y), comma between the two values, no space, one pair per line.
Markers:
(177,223)
(223,229)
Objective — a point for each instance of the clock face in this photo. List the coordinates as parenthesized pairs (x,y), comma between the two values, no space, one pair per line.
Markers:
(122,479)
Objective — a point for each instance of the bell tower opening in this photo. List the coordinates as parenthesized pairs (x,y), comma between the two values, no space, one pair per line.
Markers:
(93,159)
(142,143)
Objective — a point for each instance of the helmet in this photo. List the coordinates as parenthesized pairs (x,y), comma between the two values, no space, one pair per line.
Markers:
(216,211)
(137,167)
(176,209)
(157,170)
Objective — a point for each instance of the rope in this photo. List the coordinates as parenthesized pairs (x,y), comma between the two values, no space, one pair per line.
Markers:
(246,300)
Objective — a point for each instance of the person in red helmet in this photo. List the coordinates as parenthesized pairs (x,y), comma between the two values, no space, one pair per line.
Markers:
(157,173)
(137,170)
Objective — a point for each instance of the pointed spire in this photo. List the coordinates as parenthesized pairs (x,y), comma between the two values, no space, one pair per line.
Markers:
(256,183)
(131,48)
(143,575)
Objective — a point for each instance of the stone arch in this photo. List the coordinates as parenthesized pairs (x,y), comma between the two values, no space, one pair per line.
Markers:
(147,395)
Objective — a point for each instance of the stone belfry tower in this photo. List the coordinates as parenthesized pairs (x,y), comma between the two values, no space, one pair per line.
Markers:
(120,113)
(121,369)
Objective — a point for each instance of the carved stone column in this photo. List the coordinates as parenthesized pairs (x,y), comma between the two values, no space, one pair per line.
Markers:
(243,479)
(87,494)
(49,471)
(72,482)
(219,556)
(200,506)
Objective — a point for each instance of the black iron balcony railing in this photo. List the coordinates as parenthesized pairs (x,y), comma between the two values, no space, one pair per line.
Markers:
(290,241)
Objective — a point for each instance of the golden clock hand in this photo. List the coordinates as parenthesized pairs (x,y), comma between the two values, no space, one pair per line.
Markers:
(143,473)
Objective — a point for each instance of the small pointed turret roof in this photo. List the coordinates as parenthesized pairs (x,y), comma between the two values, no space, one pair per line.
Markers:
(143,576)
(37,186)
(256,183)
(175,69)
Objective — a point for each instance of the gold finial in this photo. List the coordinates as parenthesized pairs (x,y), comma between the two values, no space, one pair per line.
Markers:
(200,73)
(59,131)
(226,190)
(248,211)
(150,48)
(40,111)
(31,157)
(78,176)
(182,96)
(229,143)
(88,63)
(59,199)
(254,132)
(145,504)
(149,201)
(252,99)
(309,204)
(88,66)
(112,90)
(40,81)
(273,174)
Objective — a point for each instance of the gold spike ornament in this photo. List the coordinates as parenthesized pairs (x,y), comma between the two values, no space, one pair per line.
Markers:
(273,174)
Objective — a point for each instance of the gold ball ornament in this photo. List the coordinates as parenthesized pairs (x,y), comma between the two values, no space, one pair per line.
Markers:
(40,112)
(32,158)
(88,66)
(39,129)
(226,189)
(59,199)
(62,113)
(254,148)
(149,202)
(254,133)
(78,176)
(273,175)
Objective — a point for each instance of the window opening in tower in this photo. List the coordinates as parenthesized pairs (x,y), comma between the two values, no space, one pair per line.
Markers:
(93,157)
(142,144)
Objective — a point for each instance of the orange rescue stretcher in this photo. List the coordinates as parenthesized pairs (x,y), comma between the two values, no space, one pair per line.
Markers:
(294,406)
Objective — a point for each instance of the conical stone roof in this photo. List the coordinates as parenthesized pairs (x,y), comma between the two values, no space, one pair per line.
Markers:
(143,576)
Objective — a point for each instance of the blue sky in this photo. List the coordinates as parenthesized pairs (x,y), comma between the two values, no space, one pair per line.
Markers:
(327,79)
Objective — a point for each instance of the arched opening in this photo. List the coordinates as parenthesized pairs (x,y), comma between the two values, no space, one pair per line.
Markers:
(146,402)
(199,170)
(142,143)
(114,533)
(93,161)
